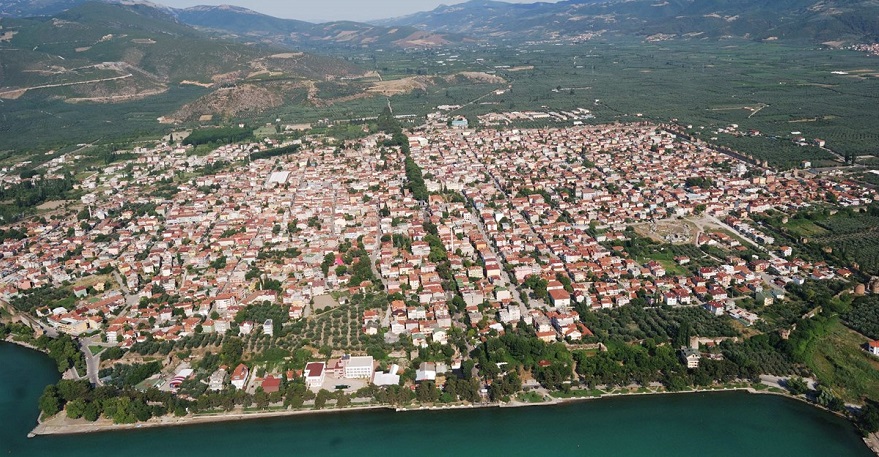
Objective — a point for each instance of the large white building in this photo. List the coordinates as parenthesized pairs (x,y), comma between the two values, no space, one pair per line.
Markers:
(314,374)
(359,368)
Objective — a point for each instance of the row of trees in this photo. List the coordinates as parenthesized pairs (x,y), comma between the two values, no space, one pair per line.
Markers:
(123,406)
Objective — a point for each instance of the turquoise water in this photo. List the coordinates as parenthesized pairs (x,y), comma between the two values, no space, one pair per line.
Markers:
(731,424)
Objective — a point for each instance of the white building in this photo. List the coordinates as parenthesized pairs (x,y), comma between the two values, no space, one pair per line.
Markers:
(239,376)
(359,368)
(268,327)
(217,380)
(314,374)
(426,372)
(387,379)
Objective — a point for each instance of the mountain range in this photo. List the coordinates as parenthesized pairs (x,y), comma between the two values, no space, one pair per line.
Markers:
(815,20)
(114,53)
(248,25)
(487,20)
(73,51)
(236,22)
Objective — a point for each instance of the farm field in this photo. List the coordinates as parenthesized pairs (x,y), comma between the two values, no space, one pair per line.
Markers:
(839,360)
(784,91)
(855,239)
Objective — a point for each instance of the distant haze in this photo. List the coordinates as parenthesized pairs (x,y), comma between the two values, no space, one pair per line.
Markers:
(331,10)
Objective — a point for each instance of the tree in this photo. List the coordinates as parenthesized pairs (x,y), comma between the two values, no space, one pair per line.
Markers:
(868,419)
(329,259)
(70,390)
(76,408)
(91,412)
(426,392)
(50,404)
(231,352)
(796,385)
(682,337)
(261,398)
(321,400)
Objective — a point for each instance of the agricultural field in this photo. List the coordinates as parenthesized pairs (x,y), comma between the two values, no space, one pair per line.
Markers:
(784,91)
(839,359)
(845,238)
(864,316)
(854,239)
(805,228)
(776,89)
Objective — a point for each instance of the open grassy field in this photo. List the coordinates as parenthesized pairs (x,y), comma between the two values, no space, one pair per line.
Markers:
(805,227)
(839,360)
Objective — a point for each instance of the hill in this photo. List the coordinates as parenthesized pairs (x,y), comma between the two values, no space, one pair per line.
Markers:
(827,20)
(34,8)
(126,54)
(244,23)
(100,50)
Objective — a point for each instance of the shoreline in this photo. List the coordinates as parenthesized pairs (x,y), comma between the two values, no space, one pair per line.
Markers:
(10,340)
(103,425)
(47,428)
(79,427)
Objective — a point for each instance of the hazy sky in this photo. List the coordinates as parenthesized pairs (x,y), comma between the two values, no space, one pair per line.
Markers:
(330,10)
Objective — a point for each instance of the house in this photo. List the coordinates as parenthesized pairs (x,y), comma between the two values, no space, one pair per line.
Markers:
(359,367)
(560,298)
(715,308)
(268,327)
(691,357)
(426,372)
(80,291)
(371,328)
(314,374)
(217,379)
(239,376)
(387,379)
(873,346)
(547,336)
(765,298)
(271,384)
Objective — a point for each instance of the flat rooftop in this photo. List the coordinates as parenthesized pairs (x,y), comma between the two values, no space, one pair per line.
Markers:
(363,361)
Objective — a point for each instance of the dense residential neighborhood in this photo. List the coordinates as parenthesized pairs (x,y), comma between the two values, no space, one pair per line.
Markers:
(408,260)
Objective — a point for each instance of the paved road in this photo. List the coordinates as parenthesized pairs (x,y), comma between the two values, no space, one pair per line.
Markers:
(742,236)
(92,362)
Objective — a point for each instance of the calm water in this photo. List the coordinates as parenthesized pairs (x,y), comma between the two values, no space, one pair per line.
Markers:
(717,424)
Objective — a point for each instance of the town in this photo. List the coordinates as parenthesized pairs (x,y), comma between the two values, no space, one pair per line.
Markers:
(391,259)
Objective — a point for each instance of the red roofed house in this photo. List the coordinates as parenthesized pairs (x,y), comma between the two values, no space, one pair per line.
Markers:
(271,384)
(560,298)
(239,376)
